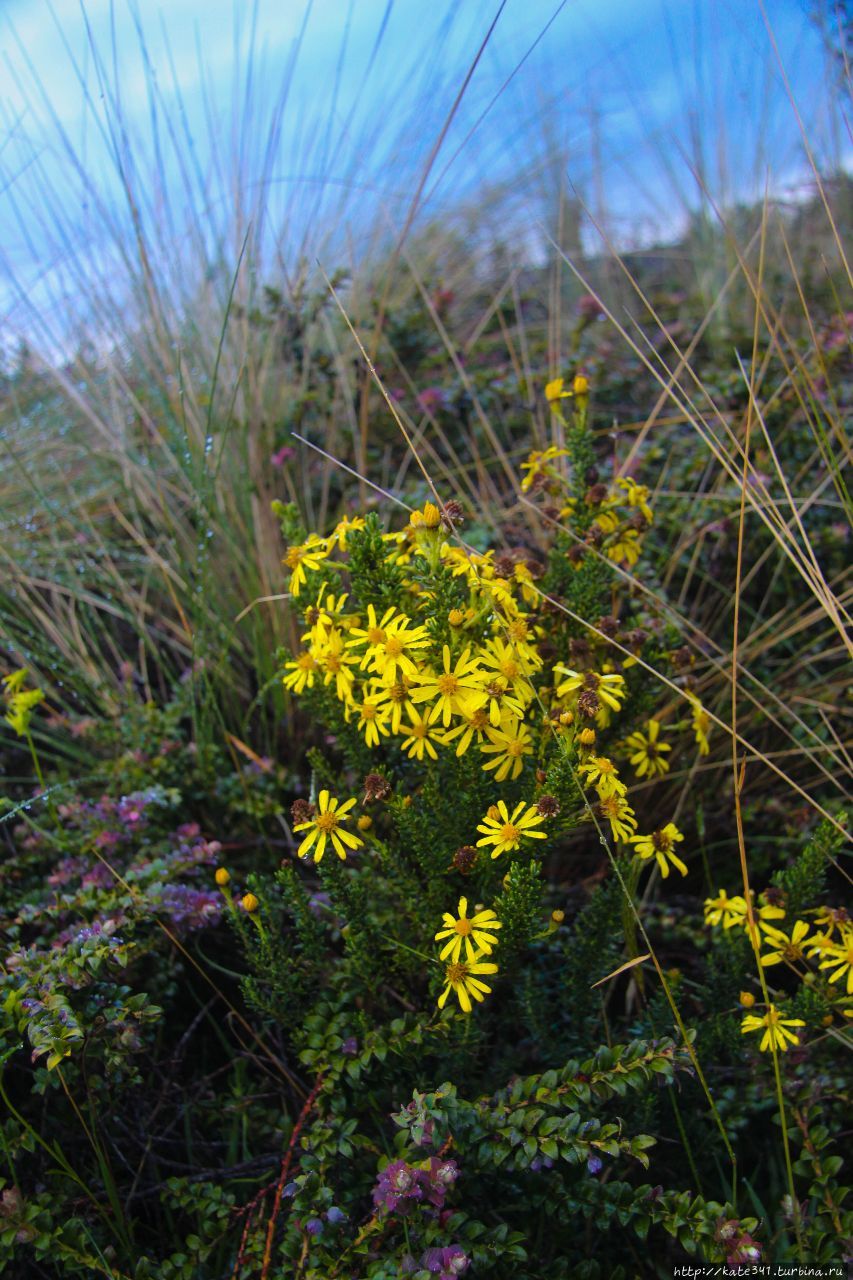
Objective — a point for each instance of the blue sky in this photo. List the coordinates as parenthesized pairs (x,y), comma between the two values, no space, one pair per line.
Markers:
(629,92)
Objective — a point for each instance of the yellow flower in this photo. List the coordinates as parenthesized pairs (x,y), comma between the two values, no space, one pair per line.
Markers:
(619,814)
(342,530)
(586,738)
(840,958)
(555,390)
(365,822)
(701,724)
(609,689)
(461,978)
(372,719)
(637,496)
(421,736)
(505,832)
(302,671)
(396,699)
(785,948)
(475,723)
(335,663)
(454,691)
(325,825)
(580,385)
(747,999)
(509,745)
(429,518)
(601,773)
(374,635)
(249,902)
(538,462)
(725,910)
(660,845)
(648,759)
(511,665)
(392,658)
(477,929)
(776,1033)
(222,877)
(299,558)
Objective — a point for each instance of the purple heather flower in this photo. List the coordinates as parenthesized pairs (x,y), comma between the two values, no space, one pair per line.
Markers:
(594,1164)
(398,1182)
(314,1226)
(335,1215)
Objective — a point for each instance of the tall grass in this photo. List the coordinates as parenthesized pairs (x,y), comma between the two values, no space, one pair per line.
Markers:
(186,334)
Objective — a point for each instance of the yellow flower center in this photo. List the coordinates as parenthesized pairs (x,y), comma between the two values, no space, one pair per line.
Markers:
(326,822)
(479,719)
(419,730)
(509,668)
(463,927)
(305,662)
(293,557)
(394,647)
(375,635)
(509,831)
(447,685)
(661,841)
(456,972)
(515,748)
(368,711)
(517,631)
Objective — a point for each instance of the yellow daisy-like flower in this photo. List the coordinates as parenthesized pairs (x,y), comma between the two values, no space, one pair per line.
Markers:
(648,751)
(422,734)
(509,745)
(511,664)
(637,495)
(396,699)
(601,773)
(701,724)
(326,825)
(505,832)
(608,688)
(310,555)
(660,845)
(374,635)
(302,671)
(454,691)
(775,1028)
(619,814)
(372,720)
(395,658)
(476,932)
(785,948)
(725,910)
(839,956)
(335,663)
(475,723)
(462,978)
(538,462)
(339,535)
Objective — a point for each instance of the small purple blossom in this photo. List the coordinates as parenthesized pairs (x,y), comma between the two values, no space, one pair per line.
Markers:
(594,1164)
(446,1263)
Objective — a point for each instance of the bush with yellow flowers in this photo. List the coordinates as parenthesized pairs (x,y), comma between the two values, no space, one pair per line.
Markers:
(477,826)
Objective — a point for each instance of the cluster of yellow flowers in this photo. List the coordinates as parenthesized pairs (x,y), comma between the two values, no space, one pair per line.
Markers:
(488,691)
(20,702)
(827,941)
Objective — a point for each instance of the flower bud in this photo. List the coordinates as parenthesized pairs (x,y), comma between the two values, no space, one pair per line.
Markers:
(249,902)
(222,877)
